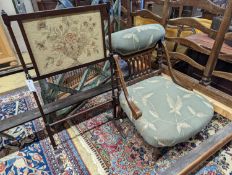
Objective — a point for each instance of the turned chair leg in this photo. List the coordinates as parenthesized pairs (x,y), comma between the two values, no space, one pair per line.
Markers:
(205,80)
(157,153)
(118,126)
(50,135)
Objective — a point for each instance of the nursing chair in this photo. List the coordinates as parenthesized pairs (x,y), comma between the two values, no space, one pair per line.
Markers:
(163,111)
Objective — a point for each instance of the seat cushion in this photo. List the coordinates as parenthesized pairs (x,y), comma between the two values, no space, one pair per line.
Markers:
(136,39)
(170,113)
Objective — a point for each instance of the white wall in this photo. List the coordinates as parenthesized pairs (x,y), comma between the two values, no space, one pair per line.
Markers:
(8,7)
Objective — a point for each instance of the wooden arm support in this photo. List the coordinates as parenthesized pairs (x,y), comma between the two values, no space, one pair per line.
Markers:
(171,72)
(136,113)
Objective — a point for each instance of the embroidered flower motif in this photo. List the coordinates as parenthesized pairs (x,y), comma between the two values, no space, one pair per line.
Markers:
(41,25)
(70,37)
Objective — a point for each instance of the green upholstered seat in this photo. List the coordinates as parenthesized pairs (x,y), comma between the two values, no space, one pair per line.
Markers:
(136,39)
(170,113)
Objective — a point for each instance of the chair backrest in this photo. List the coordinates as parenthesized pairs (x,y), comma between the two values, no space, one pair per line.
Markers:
(145,13)
(202,42)
(142,64)
(214,56)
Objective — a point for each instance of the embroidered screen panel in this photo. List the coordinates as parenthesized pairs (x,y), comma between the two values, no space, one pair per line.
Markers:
(62,42)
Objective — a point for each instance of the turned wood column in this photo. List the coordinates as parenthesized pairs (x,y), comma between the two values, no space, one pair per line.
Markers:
(213,57)
(165,13)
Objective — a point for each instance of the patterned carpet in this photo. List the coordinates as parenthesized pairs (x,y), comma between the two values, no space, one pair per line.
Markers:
(100,149)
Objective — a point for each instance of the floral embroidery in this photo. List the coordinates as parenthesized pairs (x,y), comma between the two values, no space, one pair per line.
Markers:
(61,42)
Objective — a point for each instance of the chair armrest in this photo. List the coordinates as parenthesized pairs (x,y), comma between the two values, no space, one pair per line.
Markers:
(136,113)
(170,69)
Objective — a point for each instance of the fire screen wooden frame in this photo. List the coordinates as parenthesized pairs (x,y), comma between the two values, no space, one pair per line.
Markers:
(74,35)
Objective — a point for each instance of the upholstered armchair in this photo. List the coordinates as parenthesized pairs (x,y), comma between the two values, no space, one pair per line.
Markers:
(163,112)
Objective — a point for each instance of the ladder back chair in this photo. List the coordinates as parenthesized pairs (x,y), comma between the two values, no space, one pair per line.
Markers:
(203,40)
(206,41)
(217,48)
(61,41)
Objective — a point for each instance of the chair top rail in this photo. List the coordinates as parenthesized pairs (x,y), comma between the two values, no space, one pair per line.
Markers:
(147,14)
(191,22)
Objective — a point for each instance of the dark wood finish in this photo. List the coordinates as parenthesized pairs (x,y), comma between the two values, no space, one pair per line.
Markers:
(46,4)
(82,2)
(109,104)
(136,113)
(191,161)
(36,78)
(52,107)
(103,9)
(14,70)
(125,19)
(139,63)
